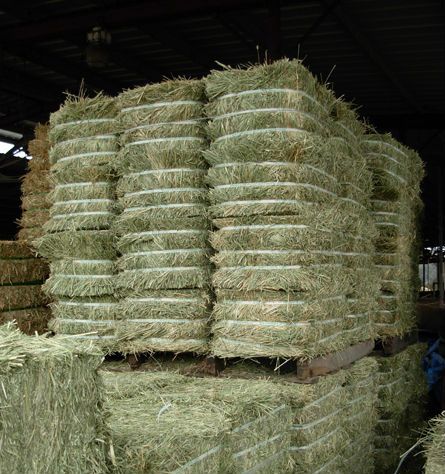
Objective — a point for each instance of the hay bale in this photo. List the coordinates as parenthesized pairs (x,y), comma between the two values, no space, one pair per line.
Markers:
(164,271)
(202,425)
(292,221)
(78,240)
(51,418)
(434,443)
(397,173)
(402,392)
(36,185)
(21,296)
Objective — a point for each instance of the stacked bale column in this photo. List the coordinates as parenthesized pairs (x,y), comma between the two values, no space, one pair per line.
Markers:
(281,279)
(397,173)
(21,297)
(355,194)
(402,391)
(164,271)
(78,242)
(36,186)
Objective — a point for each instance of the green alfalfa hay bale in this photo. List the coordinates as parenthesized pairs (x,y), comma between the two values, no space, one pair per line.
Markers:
(159,179)
(434,443)
(167,101)
(195,257)
(25,296)
(165,278)
(172,320)
(273,172)
(85,190)
(78,245)
(22,270)
(199,423)
(223,87)
(94,221)
(30,320)
(134,226)
(153,197)
(152,240)
(86,308)
(90,278)
(401,379)
(52,418)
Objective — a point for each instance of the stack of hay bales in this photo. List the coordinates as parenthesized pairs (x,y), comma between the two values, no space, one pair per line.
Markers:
(78,241)
(283,280)
(167,422)
(397,173)
(360,417)
(164,271)
(36,186)
(247,420)
(21,296)
(434,443)
(355,195)
(51,418)
(402,390)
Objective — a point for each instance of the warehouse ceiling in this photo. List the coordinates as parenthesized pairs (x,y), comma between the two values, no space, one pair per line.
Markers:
(387,57)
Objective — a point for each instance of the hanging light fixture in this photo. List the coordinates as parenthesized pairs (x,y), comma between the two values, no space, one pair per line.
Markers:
(98,47)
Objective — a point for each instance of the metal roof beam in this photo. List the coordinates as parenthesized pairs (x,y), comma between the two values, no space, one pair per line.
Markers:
(349,22)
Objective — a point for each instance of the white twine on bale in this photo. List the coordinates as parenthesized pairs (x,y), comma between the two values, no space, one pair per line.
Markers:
(170,251)
(265,201)
(272,184)
(273,90)
(390,145)
(265,226)
(90,213)
(277,302)
(84,155)
(314,443)
(260,131)
(280,324)
(81,277)
(165,300)
(304,426)
(163,269)
(158,124)
(87,304)
(164,170)
(163,206)
(170,231)
(156,105)
(108,136)
(265,462)
(166,139)
(165,320)
(164,190)
(86,121)
(83,201)
(81,261)
(83,184)
(100,322)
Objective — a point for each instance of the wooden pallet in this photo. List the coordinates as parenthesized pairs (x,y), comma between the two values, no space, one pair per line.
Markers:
(395,344)
(299,371)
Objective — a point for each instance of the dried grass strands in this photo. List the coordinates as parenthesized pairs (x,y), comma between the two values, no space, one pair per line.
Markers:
(67,432)
(22,270)
(434,442)
(12,249)
(25,296)
(37,217)
(35,201)
(401,396)
(29,321)
(87,244)
(204,424)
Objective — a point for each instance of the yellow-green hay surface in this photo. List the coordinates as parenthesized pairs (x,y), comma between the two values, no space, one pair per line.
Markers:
(164,272)
(289,198)
(434,443)
(202,425)
(402,390)
(51,419)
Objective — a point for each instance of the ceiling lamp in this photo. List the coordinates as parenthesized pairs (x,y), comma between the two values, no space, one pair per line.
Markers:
(98,47)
